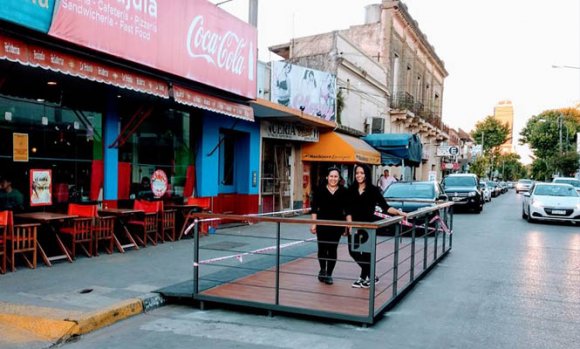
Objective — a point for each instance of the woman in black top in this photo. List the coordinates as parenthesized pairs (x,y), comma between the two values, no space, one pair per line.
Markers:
(329,203)
(364,197)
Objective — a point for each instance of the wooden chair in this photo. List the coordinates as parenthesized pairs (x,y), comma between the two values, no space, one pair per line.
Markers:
(205,205)
(147,225)
(104,230)
(23,241)
(80,231)
(167,224)
(5,225)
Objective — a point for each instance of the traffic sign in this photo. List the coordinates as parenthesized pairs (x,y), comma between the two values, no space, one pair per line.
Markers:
(453,151)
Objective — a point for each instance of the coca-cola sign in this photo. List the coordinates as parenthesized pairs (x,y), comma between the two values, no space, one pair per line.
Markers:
(191,38)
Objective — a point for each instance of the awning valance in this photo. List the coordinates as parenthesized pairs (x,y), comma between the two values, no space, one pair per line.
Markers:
(397,148)
(339,148)
(15,50)
(199,100)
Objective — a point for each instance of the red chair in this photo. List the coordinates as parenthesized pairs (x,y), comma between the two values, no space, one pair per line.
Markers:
(104,230)
(205,205)
(147,225)
(81,231)
(5,225)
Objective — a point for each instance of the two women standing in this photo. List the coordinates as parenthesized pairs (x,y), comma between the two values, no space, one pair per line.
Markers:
(358,203)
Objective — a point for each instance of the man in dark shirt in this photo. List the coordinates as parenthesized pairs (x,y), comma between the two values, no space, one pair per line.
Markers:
(10,198)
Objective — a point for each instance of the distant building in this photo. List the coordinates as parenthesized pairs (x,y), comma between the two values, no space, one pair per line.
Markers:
(504,113)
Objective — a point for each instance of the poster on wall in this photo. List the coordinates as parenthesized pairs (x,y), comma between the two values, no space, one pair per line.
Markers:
(40,187)
(20,147)
(310,90)
(159,183)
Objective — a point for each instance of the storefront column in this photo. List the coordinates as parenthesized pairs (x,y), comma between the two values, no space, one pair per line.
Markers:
(110,155)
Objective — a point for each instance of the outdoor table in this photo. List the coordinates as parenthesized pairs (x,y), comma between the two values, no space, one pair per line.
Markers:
(185,211)
(123,215)
(50,220)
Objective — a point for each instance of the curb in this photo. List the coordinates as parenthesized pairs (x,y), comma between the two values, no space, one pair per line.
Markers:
(58,326)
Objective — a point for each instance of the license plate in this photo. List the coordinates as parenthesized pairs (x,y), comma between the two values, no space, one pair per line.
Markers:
(558,212)
(456,199)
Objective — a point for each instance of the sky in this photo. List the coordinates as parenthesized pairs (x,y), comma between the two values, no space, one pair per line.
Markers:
(493,50)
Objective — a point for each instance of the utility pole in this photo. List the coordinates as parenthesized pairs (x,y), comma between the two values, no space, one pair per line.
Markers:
(253,13)
(560,131)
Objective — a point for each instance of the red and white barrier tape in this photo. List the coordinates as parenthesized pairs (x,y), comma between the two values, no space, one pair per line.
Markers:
(240,256)
(406,223)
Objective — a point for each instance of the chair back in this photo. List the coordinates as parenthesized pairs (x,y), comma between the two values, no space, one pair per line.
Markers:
(83,210)
(203,203)
(6,218)
(148,206)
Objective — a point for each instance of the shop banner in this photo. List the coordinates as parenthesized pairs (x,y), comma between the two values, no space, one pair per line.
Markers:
(199,100)
(311,91)
(37,56)
(194,39)
(32,14)
(290,131)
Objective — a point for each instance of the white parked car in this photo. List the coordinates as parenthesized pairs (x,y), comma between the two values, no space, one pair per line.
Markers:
(486,191)
(524,185)
(568,180)
(552,202)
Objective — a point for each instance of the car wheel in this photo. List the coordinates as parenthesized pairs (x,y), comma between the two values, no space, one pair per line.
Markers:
(530,219)
(524,215)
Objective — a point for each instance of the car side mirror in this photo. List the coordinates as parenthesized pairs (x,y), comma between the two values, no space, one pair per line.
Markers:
(526,194)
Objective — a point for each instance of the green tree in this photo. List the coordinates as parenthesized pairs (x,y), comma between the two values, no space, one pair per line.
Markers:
(479,166)
(542,134)
(491,132)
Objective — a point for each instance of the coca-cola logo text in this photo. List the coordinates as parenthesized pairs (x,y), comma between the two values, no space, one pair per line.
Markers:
(223,51)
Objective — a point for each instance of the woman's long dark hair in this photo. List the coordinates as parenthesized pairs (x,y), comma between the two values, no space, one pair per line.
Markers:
(368,176)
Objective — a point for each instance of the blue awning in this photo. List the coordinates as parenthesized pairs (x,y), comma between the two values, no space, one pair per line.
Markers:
(396,148)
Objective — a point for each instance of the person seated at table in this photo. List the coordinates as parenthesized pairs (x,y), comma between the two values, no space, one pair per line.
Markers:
(144,192)
(10,198)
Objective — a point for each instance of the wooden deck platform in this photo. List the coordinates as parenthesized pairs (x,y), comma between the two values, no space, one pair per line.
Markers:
(300,288)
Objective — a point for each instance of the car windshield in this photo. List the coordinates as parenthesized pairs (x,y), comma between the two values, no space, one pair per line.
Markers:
(555,190)
(459,182)
(419,191)
(573,182)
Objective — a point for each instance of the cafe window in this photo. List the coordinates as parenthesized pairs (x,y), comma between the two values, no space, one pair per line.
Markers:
(60,139)
(161,142)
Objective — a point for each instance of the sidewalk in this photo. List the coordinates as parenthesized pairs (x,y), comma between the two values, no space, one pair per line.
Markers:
(41,307)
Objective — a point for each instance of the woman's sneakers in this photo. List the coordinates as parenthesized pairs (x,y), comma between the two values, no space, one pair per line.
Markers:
(360,283)
(327,279)
(364,283)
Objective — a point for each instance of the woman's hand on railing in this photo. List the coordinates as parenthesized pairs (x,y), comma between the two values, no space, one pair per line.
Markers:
(313,228)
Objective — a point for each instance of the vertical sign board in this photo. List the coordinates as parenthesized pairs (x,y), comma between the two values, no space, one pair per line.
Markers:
(20,147)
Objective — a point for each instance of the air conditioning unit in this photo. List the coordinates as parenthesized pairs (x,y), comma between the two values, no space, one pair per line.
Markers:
(378,125)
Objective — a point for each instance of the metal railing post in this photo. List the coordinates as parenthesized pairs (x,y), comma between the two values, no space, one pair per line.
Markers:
(412,271)
(425,241)
(196,258)
(373,261)
(396,259)
(443,219)
(277,263)
(437,227)
(450,226)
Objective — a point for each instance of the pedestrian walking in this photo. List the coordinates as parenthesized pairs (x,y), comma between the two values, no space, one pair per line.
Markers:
(330,202)
(364,197)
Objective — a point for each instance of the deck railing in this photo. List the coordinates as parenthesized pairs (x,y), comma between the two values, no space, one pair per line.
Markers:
(272,263)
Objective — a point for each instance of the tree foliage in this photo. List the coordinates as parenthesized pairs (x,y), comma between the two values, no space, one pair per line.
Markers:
(553,154)
(491,132)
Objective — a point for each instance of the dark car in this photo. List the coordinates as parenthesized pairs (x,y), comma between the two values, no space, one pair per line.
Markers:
(464,191)
(412,196)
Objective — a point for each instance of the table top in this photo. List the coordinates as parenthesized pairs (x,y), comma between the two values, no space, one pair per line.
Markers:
(44,216)
(120,211)
(182,206)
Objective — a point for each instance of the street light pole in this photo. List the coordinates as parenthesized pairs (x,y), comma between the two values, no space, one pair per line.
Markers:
(560,131)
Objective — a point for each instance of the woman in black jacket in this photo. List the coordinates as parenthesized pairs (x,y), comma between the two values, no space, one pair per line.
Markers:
(363,198)
(330,203)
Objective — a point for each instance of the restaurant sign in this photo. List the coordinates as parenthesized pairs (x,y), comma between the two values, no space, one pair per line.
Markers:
(193,39)
(290,131)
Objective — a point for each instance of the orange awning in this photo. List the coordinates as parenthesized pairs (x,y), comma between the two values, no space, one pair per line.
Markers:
(336,147)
